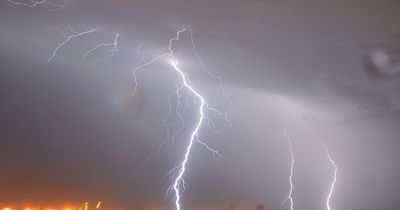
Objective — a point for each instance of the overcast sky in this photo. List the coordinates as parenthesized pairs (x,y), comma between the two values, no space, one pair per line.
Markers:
(70,131)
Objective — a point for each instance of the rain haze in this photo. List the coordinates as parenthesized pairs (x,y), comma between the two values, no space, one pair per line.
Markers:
(319,76)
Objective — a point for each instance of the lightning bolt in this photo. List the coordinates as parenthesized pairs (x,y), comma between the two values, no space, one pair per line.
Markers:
(114,49)
(328,198)
(50,5)
(183,82)
(179,179)
(67,38)
(289,196)
(138,49)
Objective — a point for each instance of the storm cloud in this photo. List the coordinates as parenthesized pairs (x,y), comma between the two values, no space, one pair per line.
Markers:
(71,132)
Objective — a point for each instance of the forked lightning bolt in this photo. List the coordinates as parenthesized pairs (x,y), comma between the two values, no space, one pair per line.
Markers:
(67,38)
(49,4)
(289,196)
(179,179)
(332,186)
(183,82)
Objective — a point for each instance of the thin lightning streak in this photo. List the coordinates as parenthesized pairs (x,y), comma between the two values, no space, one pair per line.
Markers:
(217,78)
(32,3)
(177,111)
(289,196)
(178,184)
(139,67)
(67,38)
(215,152)
(114,49)
(169,125)
(138,52)
(139,48)
(328,198)
(48,4)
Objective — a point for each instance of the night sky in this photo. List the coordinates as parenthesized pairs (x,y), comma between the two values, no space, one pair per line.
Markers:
(326,71)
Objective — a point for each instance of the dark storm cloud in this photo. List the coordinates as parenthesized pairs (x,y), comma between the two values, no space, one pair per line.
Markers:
(69,133)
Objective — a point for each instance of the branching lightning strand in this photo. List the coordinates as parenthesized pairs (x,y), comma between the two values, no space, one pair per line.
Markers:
(50,5)
(67,38)
(178,184)
(114,48)
(332,186)
(292,162)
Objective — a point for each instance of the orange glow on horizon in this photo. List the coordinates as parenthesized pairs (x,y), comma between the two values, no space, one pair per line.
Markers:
(85,206)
